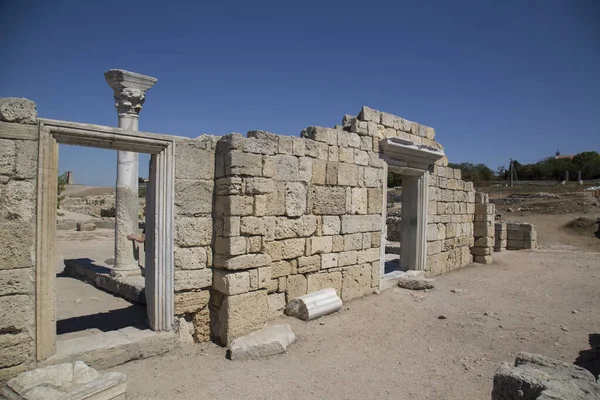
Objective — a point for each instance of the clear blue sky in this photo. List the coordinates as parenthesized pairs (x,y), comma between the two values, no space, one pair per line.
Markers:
(496,79)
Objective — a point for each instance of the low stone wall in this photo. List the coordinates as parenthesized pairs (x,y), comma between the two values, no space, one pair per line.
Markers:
(485,214)
(520,235)
(500,237)
(537,377)
(18,201)
(393,231)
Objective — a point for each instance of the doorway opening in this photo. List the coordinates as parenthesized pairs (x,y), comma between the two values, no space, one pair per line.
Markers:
(66,323)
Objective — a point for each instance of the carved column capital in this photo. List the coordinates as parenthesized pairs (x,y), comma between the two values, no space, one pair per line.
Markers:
(129,90)
(129,100)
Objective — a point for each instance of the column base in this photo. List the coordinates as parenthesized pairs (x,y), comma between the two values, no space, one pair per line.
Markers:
(126,270)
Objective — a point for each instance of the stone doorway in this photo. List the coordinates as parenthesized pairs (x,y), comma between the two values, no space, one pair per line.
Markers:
(159,222)
(412,162)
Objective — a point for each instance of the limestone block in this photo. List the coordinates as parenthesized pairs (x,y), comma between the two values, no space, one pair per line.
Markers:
(346,258)
(231,283)
(292,248)
(483,259)
(272,203)
(231,226)
(66,381)
(235,205)
(328,200)
(191,302)
(7,156)
(16,281)
(360,223)
(18,110)
(368,114)
(228,186)
(246,261)
(273,249)
(356,281)
(375,201)
(329,260)
(359,201)
(276,301)
(373,177)
(202,327)
(15,349)
(309,264)
(304,226)
(320,244)
(295,199)
(368,255)
(415,280)
(85,226)
(192,279)
(193,197)
(316,149)
(375,239)
(193,231)
(26,159)
(352,139)
(259,186)
(241,314)
(346,155)
(282,284)
(190,258)
(232,246)
(320,281)
(298,147)
(347,175)
(332,173)
(288,168)
(17,240)
(353,242)
(331,225)
(261,146)
(296,286)
(361,157)
(19,201)
(320,134)
(193,160)
(280,268)
(261,226)
(266,342)
(16,313)
(338,243)
(366,143)
(254,244)
(244,164)
(484,242)
(333,154)
(319,172)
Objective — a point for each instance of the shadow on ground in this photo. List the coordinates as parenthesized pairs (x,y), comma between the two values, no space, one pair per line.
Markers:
(590,359)
(106,321)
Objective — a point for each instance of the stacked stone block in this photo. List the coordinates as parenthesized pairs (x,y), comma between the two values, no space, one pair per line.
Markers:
(18,202)
(483,229)
(194,190)
(520,235)
(500,237)
(450,216)
(393,230)
(293,216)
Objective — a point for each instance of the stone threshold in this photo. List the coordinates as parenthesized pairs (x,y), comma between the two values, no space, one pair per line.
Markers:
(109,349)
(130,288)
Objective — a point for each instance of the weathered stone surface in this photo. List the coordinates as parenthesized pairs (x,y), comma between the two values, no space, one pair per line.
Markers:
(415,280)
(15,348)
(263,226)
(261,145)
(320,244)
(232,246)
(7,156)
(328,200)
(538,377)
(360,223)
(321,281)
(18,201)
(296,286)
(193,197)
(66,381)
(16,281)
(295,199)
(319,176)
(272,203)
(18,110)
(195,158)
(266,342)
(16,313)
(298,227)
(331,225)
(241,314)
(359,201)
(26,159)
(86,226)
(356,282)
(193,231)
(375,201)
(246,261)
(192,279)
(191,302)
(244,164)
(309,264)
(191,258)
(347,175)
(276,301)
(259,186)
(231,282)
(235,205)
(329,260)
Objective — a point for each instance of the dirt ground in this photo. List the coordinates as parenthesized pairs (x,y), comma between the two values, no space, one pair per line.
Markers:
(394,345)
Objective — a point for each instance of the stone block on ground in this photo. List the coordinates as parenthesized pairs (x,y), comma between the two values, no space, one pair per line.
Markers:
(86,226)
(314,305)
(66,381)
(537,377)
(415,280)
(265,342)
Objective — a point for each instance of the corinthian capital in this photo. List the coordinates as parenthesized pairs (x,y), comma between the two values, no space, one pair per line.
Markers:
(129,89)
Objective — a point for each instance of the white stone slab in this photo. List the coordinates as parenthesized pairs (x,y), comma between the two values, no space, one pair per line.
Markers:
(314,305)
(268,341)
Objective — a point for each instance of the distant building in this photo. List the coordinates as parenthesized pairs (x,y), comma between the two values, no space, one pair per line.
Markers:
(558,156)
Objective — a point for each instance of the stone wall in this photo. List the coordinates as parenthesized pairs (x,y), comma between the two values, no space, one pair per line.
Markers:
(500,237)
(520,235)
(450,215)
(194,191)
(18,194)
(393,231)
(483,229)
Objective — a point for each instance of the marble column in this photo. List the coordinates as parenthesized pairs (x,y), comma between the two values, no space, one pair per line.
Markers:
(129,94)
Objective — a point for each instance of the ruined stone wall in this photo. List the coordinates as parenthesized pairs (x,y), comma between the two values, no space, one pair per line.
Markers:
(393,231)
(293,215)
(483,229)
(450,216)
(194,189)
(18,194)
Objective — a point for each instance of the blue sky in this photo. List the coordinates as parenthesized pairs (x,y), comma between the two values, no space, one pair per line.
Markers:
(495,79)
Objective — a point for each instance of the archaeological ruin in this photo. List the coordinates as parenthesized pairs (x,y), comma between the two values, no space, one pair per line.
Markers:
(236,226)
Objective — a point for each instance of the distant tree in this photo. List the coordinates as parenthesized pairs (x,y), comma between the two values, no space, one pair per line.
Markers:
(62,184)
(476,173)
(394,179)
(588,163)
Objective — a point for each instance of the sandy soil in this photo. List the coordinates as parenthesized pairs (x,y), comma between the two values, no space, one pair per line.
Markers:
(394,345)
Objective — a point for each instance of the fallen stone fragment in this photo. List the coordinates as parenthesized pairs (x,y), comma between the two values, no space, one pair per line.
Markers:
(415,280)
(65,381)
(314,305)
(442,317)
(86,226)
(538,377)
(268,341)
